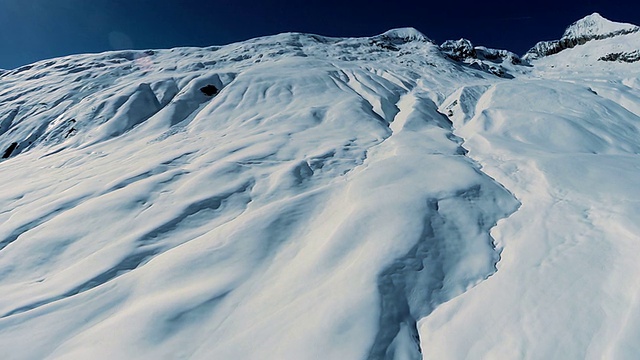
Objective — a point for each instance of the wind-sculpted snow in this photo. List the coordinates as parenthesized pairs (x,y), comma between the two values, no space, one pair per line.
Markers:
(563,289)
(304,197)
(307,200)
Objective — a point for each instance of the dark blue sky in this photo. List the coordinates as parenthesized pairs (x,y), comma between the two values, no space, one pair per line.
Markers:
(32,30)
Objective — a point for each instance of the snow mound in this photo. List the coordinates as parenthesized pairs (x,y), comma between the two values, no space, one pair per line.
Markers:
(404,35)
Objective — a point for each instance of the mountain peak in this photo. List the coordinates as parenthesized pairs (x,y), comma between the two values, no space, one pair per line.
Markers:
(591,27)
(406,34)
(596,26)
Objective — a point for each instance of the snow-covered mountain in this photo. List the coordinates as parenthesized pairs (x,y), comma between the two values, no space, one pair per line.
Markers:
(592,27)
(304,197)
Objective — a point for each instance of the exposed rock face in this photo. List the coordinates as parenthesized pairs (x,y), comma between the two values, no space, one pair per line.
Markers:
(463,50)
(496,55)
(9,150)
(480,57)
(459,49)
(592,27)
(209,90)
(628,57)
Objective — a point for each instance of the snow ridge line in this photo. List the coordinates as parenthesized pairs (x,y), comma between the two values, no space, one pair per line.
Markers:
(412,286)
(478,105)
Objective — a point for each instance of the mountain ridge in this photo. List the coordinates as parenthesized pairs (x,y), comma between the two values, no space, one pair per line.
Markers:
(591,27)
(497,62)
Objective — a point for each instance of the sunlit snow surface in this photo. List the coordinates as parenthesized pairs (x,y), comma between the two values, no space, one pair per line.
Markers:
(337,199)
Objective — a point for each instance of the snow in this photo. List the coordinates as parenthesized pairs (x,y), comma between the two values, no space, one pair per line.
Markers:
(568,150)
(590,28)
(339,198)
(407,34)
(595,25)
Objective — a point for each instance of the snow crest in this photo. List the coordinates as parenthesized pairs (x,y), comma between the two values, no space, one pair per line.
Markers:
(406,34)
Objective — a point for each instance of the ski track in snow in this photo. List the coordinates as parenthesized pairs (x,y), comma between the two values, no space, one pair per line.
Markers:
(335,199)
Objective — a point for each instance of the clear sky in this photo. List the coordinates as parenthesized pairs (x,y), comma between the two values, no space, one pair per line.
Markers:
(32,30)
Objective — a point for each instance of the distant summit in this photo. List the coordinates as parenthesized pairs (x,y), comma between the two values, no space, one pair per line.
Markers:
(393,38)
(595,26)
(592,27)
(405,35)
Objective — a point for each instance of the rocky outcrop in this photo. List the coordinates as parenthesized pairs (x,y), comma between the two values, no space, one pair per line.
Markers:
(499,56)
(480,57)
(9,150)
(459,50)
(463,50)
(628,57)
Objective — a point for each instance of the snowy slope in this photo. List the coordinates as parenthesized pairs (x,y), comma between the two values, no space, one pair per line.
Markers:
(566,142)
(370,198)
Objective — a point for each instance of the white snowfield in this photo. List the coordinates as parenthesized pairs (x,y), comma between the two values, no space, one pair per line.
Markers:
(365,198)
